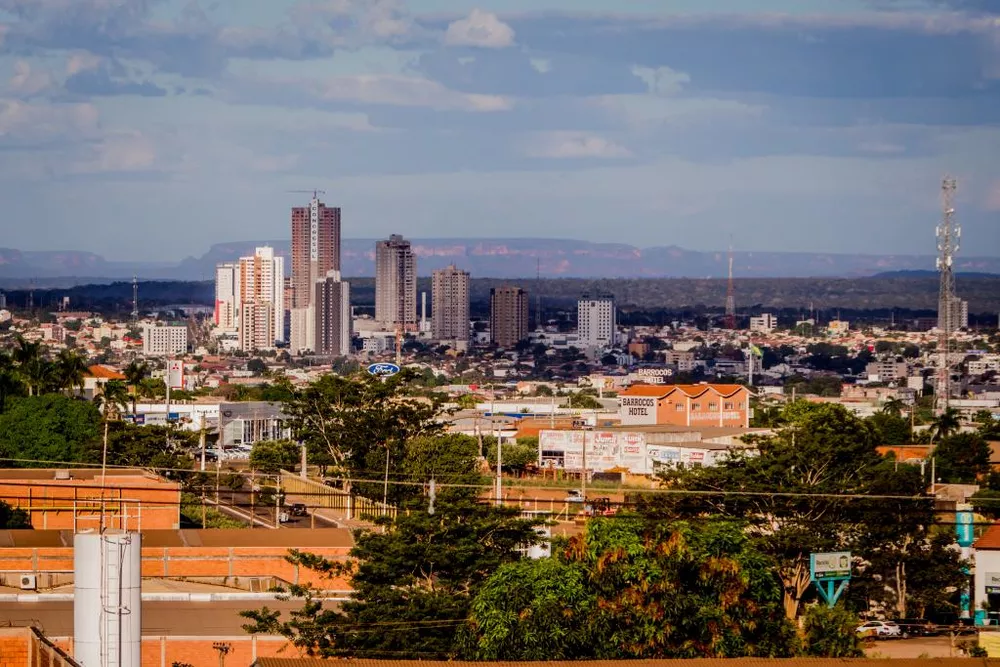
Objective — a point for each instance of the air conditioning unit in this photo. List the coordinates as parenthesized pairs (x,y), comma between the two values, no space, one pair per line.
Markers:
(29,582)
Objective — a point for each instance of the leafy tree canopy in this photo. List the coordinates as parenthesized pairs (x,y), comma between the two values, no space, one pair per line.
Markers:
(51,427)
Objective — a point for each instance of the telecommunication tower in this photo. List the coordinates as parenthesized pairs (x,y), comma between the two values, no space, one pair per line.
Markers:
(135,299)
(948,234)
(730,296)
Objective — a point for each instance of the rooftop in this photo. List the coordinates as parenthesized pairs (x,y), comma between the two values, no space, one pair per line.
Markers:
(104,373)
(216,537)
(692,390)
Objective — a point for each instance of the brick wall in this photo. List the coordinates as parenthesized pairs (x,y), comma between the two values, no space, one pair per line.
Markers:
(132,502)
(187,562)
(162,651)
(26,647)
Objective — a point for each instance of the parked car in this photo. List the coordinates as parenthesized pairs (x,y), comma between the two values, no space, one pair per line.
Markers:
(917,627)
(879,629)
(297,509)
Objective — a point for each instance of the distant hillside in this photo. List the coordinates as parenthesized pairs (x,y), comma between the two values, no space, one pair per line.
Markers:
(824,295)
(493,258)
(923,273)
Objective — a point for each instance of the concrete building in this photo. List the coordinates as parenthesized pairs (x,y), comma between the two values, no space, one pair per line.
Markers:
(164,340)
(839,327)
(226,289)
(686,405)
(315,252)
(886,370)
(332,304)
(395,284)
(682,359)
(508,316)
(450,302)
(597,321)
(765,323)
(261,299)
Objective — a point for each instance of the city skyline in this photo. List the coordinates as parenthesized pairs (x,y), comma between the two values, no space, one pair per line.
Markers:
(825,128)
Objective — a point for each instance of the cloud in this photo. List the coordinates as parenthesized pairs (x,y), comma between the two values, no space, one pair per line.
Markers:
(28,81)
(662,80)
(25,124)
(119,152)
(992,202)
(479,29)
(564,145)
(105,79)
(81,62)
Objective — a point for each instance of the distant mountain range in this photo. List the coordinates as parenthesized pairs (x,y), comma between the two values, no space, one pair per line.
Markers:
(493,258)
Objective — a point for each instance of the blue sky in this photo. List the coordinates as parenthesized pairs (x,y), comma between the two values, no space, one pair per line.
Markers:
(149,129)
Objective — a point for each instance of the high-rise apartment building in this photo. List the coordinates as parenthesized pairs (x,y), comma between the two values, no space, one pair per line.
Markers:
(226,289)
(508,315)
(450,303)
(315,252)
(395,284)
(332,304)
(597,321)
(261,295)
(164,340)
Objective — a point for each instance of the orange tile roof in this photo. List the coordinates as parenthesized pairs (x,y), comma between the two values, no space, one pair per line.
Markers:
(990,539)
(104,373)
(691,390)
(905,452)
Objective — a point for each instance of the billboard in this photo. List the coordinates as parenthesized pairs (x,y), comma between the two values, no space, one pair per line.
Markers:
(637,410)
(992,582)
(175,374)
(827,566)
(614,449)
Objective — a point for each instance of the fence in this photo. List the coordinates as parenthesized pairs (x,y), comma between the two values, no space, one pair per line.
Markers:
(339,504)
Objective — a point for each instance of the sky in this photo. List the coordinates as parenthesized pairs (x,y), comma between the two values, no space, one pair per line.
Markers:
(150,129)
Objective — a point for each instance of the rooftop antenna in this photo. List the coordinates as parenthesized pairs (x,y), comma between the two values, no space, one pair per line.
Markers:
(948,234)
(730,297)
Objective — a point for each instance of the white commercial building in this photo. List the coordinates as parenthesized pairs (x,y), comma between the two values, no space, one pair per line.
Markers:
(250,299)
(226,289)
(164,340)
(596,321)
(766,323)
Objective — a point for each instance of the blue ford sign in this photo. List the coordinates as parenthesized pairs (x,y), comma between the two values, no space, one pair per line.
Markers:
(383,369)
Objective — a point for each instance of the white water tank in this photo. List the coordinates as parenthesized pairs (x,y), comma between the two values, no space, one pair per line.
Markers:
(107,602)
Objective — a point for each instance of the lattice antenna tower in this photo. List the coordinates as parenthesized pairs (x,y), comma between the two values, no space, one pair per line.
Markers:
(135,299)
(538,294)
(730,295)
(948,234)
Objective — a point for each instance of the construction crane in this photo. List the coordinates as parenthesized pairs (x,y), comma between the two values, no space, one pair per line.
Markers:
(306,192)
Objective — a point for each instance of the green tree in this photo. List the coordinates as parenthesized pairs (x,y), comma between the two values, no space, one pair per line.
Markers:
(414,581)
(135,373)
(582,401)
(831,633)
(516,456)
(70,368)
(46,429)
(890,429)
(628,588)
(824,452)
(893,406)
(13,519)
(11,383)
(363,424)
(111,402)
(159,447)
(962,458)
(945,424)
(271,456)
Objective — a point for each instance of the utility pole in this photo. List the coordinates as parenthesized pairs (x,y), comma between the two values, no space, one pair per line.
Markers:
(135,299)
(948,235)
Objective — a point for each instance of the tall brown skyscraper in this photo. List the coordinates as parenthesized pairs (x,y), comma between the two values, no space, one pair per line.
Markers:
(395,284)
(450,300)
(315,248)
(315,254)
(508,315)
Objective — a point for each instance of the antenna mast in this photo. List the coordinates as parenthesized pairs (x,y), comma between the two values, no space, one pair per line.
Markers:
(135,299)
(948,235)
(730,297)
(538,294)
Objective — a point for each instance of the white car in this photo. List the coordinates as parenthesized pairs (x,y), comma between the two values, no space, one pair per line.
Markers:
(879,629)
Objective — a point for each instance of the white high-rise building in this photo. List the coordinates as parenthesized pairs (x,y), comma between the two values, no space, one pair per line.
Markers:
(597,320)
(250,299)
(226,291)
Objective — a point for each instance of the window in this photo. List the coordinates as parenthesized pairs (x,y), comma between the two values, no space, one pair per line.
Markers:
(679,407)
(696,406)
(713,406)
(739,406)
(729,405)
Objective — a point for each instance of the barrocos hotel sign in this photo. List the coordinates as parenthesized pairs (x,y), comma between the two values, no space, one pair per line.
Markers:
(638,409)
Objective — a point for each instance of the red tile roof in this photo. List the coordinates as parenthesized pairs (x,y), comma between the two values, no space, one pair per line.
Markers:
(990,539)
(104,373)
(691,390)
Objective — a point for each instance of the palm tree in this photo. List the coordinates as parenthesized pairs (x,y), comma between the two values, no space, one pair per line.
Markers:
(893,406)
(70,368)
(945,424)
(112,401)
(34,370)
(135,373)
